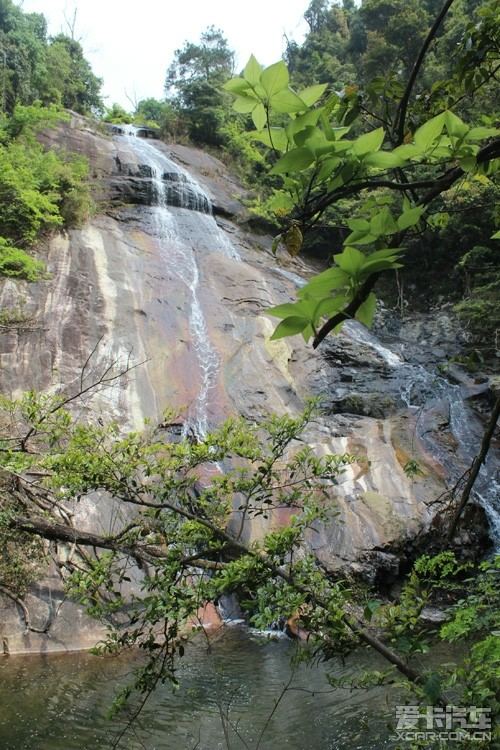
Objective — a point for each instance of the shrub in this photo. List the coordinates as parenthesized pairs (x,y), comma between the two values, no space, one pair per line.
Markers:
(15,263)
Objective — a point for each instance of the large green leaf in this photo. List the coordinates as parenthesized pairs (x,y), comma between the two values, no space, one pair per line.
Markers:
(407,151)
(384,159)
(329,305)
(319,286)
(358,225)
(454,125)
(328,167)
(236,86)
(360,238)
(351,260)
(252,71)
(366,311)
(383,223)
(244,104)
(294,161)
(311,94)
(273,137)
(274,78)
(287,101)
(289,327)
(308,119)
(368,142)
(477,134)
(431,130)
(383,264)
(410,217)
(259,116)
(283,311)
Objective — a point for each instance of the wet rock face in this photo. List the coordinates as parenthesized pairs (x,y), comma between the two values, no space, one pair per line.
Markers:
(144,283)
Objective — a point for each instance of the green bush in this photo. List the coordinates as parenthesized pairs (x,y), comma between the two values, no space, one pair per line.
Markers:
(40,190)
(17,264)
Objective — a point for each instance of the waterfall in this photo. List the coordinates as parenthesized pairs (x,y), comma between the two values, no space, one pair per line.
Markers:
(420,389)
(175,190)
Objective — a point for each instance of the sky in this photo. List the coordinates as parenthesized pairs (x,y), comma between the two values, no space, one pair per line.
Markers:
(130,43)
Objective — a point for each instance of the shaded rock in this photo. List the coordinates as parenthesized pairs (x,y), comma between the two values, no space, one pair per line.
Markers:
(374,405)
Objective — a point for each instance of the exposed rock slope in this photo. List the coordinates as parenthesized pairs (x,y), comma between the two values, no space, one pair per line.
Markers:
(122,285)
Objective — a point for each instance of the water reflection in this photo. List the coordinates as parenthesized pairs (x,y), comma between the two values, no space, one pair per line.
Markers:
(61,702)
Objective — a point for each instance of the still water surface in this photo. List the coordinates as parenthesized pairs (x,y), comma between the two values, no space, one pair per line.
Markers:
(60,702)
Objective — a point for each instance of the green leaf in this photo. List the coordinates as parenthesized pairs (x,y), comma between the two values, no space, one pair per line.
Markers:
(386,252)
(272,137)
(431,130)
(289,327)
(358,225)
(360,238)
(287,101)
(304,308)
(383,264)
(384,160)
(350,260)
(274,78)
(294,161)
(252,71)
(280,201)
(410,217)
(327,281)
(329,305)
(468,163)
(244,104)
(283,311)
(366,311)
(454,125)
(327,168)
(311,94)
(496,236)
(236,85)
(259,117)
(301,122)
(477,134)
(383,223)
(368,142)
(407,151)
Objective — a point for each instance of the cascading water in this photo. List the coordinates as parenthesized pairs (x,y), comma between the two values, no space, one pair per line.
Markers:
(420,389)
(173,187)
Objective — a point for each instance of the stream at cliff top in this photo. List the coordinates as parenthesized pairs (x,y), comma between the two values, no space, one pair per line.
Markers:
(60,703)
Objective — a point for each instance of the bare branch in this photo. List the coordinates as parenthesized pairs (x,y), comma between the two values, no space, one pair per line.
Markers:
(476,466)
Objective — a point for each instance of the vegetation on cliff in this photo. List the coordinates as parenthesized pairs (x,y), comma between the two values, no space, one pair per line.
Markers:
(40,189)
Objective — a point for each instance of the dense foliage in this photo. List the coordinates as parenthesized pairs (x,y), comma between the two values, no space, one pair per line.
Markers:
(34,67)
(329,154)
(40,189)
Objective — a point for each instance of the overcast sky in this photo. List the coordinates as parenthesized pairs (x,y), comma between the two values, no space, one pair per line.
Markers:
(130,43)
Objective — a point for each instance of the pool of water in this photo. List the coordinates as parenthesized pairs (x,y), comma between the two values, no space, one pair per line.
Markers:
(61,702)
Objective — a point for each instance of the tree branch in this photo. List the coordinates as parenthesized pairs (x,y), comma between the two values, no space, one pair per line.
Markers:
(476,466)
(403,104)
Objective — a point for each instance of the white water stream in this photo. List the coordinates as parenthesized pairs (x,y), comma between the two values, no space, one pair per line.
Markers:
(173,185)
(420,390)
